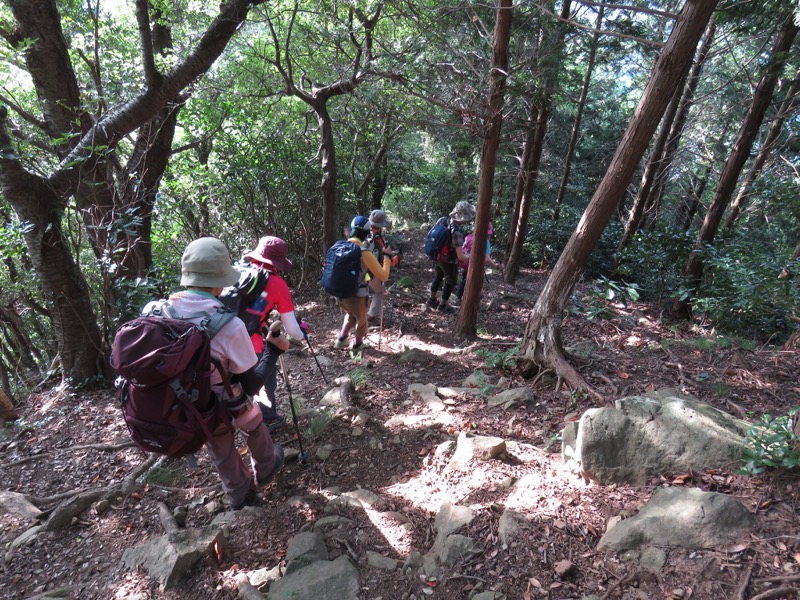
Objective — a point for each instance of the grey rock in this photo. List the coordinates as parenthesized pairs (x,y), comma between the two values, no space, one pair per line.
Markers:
(16,504)
(458,548)
(377,560)
(169,557)
(451,518)
(512,524)
(664,431)
(475,447)
(687,518)
(511,398)
(321,580)
(413,562)
(304,549)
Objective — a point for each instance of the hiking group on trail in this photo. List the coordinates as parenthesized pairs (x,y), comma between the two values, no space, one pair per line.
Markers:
(203,363)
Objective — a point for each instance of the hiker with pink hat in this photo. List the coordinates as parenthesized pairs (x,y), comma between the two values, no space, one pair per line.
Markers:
(271,256)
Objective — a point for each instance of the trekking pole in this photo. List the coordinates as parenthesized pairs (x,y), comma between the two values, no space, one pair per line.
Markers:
(383,303)
(302,456)
(316,360)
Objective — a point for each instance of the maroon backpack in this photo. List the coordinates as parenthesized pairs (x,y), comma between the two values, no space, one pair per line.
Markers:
(164,386)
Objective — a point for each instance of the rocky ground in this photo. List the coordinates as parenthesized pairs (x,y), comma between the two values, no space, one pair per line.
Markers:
(69,442)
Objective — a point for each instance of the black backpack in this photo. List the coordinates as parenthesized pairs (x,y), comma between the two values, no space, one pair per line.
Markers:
(164,384)
(342,272)
(247,298)
(438,239)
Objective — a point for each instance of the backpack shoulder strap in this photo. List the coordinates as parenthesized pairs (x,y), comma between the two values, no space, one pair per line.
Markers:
(217,321)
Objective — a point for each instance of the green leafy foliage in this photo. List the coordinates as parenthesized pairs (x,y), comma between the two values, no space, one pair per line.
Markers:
(597,304)
(504,360)
(772,444)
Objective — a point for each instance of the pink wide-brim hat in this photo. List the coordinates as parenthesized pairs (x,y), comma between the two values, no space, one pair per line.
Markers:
(273,251)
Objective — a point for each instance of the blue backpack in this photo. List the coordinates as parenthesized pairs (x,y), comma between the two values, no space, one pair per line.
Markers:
(342,272)
(438,239)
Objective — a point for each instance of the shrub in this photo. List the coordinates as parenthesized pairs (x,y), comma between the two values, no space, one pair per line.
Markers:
(772,444)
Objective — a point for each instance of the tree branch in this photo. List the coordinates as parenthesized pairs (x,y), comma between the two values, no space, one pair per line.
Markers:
(151,75)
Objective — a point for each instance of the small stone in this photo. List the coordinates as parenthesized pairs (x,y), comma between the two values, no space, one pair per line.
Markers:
(565,568)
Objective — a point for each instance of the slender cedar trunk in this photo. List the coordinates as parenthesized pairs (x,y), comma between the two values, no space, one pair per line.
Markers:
(520,224)
(542,347)
(687,209)
(741,152)
(514,257)
(523,176)
(636,213)
(764,153)
(465,326)
(576,126)
(673,142)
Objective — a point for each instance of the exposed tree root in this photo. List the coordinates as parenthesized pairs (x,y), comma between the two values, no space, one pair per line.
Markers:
(105,446)
(542,350)
(781,592)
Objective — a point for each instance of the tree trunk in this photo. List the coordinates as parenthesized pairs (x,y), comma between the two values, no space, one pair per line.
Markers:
(83,170)
(526,179)
(576,126)
(662,176)
(523,176)
(541,343)
(764,152)
(542,106)
(762,97)
(465,326)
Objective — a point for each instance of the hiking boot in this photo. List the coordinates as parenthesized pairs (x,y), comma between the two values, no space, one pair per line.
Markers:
(359,347)
(432,303)
(445,308)
(376,320)
(341,342)
(250,499)
(275,422)
(279,459)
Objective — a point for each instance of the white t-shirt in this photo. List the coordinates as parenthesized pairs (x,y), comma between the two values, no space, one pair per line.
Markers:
(231,345)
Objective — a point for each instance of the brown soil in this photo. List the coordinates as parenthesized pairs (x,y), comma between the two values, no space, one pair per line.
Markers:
(632,350)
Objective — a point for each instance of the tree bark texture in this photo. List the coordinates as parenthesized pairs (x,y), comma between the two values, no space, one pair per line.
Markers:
(678,126)
(528,179)
(576,125)
(762,96)
(764,152)
(83,145)
(541,343)
(465,326)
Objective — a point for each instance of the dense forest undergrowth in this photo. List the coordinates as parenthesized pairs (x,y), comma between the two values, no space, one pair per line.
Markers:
(67,442)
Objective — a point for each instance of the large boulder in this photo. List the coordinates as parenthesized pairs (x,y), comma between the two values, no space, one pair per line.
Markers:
(681,517)
(660,432)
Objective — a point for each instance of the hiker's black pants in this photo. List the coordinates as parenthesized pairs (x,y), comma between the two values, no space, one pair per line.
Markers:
(447,272)
(267,371)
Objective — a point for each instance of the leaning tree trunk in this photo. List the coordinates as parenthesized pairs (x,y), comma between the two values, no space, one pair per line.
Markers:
(514,256)
(465,326)
(526,179)
(523,177)
(764,153)
(542,348)
(762,97)
(576,125)
(642,199)
(683,114)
